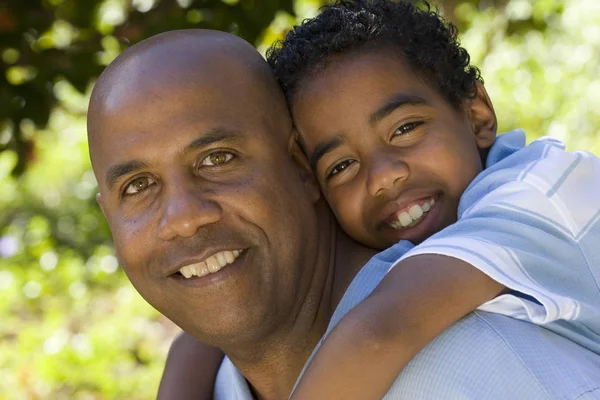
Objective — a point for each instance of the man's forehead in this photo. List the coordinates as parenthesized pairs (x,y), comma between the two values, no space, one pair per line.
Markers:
(178,87)
(178,102)
(222,80)
(173,126)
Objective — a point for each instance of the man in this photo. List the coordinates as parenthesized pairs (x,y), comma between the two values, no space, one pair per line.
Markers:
(218,223)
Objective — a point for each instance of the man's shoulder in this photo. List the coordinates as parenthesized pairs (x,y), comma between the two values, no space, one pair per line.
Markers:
(483,355)
(491,356)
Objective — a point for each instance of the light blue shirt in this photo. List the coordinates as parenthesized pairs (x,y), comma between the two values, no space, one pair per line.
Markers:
(530,221)
(483,356)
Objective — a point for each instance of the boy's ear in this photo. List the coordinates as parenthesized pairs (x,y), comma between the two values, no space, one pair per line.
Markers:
(301,162)
(483,118)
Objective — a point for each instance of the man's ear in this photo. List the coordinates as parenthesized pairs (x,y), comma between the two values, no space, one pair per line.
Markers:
(308,178)
(100,202)
(483,118)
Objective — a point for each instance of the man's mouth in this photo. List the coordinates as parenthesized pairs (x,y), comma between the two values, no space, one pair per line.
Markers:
(411,215)
(211,264)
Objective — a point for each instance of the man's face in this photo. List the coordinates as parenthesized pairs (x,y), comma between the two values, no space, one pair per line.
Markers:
(392,156)
(195,178)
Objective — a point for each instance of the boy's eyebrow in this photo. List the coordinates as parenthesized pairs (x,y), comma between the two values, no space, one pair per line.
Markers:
(397,101)
(116,171)
(324,148)
(213,136)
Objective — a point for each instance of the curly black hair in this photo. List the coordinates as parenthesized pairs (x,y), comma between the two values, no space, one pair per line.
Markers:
(427,42)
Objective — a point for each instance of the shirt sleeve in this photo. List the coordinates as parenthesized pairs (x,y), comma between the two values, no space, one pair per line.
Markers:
(536,230)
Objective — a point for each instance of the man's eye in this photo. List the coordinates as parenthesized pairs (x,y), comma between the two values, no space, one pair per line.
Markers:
(138,185)
(216,158)
(339,167)
(406,128)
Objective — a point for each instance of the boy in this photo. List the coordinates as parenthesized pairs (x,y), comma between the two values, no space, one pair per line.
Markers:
(397,127)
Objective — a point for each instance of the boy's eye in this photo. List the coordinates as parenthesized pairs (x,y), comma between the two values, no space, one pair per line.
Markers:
(339,167)
(406,128)
(216,158)
(138,185)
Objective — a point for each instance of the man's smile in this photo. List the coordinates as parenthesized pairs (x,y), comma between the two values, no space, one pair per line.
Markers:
(211,264)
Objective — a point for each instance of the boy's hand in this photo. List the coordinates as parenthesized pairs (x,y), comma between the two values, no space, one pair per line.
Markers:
(190,370)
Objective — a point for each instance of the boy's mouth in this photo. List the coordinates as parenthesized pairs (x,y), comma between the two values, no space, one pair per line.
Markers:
(412,214)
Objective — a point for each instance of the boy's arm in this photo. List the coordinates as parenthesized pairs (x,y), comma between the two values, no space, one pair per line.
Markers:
(190,370)
(413,304)
(537,234)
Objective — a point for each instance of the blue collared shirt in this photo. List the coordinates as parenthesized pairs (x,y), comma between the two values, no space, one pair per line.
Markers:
(531,220)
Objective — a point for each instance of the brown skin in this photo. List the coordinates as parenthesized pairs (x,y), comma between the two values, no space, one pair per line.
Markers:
(248,188)
(441,157)
(190,370)
(384,162)
(197,130)
(412,152)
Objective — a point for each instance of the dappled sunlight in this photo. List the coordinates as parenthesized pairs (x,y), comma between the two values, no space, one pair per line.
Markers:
(72,326)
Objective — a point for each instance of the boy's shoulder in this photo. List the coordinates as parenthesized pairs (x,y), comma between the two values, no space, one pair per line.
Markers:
(542,163)
(543,167)
(510,151)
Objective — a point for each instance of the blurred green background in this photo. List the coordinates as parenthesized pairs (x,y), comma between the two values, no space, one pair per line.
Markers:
(71,326)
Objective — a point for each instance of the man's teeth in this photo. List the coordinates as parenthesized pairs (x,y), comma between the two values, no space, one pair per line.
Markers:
(414,213)
(211,265)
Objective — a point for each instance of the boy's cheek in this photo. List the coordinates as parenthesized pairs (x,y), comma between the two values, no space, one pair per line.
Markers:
(348,208)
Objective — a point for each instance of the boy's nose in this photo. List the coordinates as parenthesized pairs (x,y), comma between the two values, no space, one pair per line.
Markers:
(385,172)
(185,211)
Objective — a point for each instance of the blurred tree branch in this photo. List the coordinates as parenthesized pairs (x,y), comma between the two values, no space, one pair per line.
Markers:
(45,41)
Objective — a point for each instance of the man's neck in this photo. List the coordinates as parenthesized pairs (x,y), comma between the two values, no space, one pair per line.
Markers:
(273,364)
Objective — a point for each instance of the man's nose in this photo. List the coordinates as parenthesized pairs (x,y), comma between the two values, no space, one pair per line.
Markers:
(385,171)
(186,210)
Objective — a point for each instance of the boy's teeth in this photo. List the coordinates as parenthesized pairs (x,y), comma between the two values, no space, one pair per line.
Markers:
(414,213)
(211,265)
(405,219)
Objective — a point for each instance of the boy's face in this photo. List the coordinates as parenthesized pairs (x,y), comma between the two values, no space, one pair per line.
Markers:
(392,156)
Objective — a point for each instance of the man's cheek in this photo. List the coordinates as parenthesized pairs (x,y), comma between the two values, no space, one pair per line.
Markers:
(132,240)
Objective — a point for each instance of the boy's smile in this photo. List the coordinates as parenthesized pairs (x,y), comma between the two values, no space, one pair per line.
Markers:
(391,154)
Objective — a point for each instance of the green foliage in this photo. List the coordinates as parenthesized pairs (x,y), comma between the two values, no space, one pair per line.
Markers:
(72,327)
(540,60)
(44,42)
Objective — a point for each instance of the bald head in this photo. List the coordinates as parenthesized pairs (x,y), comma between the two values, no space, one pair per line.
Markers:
(192,147)
(173,66)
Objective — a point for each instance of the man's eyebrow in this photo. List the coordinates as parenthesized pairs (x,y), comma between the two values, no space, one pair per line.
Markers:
(117,171)
(324,148)
(400,100)
(211,137)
